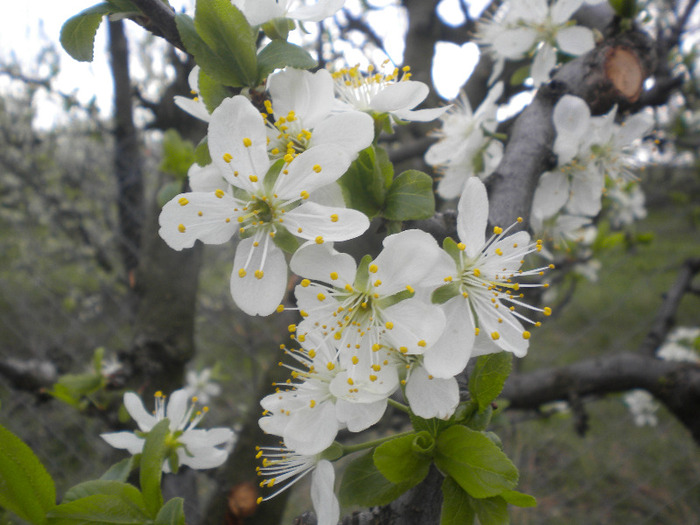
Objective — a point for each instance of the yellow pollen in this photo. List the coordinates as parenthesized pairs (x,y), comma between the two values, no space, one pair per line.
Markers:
(495,336)
(389,325)
(241,272)
(288,158)
(182,201)
(304,194)
(355,360)
(547,310)
(228,157)
(330,366)
(448,279)
(499,251)
(292,328)
(312,403)
(526,335)
(334,217)
(422,343)
(247,142)
(253,178)
(181,228)
(305,282)
(280,308)
(319,240)
(321,297)
(373,268)
(317,168)
(377,283)
(334,275)
(350,381)
(349,288)
(462,246)
(477,272)
(497,230)
(476,331)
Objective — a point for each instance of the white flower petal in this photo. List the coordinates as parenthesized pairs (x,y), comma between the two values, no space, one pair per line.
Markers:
(322,494)
(317,12)
(586,193)
(450,354)
(634,127)
(509,331)
(544,61)
(416,325)
(188,217)
(312,169)
(196,108)
(258,296)
(551,194)
(125,440)
(575,40)
(206,178)
(235,120)
(176,409)
(260,11)
(514,43)
(317,261)
(472,216)
(359,416)
(312,430)
(398,96)
(431,398)
(311,220)
(351,130)
(202,459)
(309,95)
(562,10)
(420,115)
(134,406)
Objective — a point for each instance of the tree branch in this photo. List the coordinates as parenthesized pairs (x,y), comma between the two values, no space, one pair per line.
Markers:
(160,20)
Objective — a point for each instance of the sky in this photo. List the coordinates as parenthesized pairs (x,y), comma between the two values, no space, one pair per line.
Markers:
(33,24)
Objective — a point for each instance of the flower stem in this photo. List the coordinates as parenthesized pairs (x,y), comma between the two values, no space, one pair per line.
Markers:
(349,449)
(399,406)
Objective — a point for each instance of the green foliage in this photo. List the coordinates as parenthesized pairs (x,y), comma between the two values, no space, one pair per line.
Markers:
(365,183)
(489,376)
(475,462)
(520,75)
(410,197)
(155,450)
(363,484)
(167,191)
(211,91)
(491,511)
(124,508)
(455,504)
(404,459)
(120,471)
(280,53)
(178,155)
(624,8)
(26,488)
(201,153)
(172,513)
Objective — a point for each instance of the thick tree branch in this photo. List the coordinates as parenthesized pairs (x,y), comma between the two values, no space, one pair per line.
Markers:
(160,20)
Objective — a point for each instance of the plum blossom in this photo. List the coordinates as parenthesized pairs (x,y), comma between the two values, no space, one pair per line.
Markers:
(196,448)
(265,202)
(383,93)
(682,344)
(362,310)
(642,406)
(467,146)
(283,466)
(533,26)
(301,105)
(201,386)
(589,149)
(480,288)
(260,11)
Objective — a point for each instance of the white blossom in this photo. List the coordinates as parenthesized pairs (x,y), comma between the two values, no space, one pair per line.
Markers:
(642,406)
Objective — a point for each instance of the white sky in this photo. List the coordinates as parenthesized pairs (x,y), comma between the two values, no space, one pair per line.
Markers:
(33,24)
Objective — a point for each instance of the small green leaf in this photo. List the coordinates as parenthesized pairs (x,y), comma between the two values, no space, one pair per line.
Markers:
(152,458)
(489,376)
(201,153)
(445,293)
(398,462)
(624,8)
(26,488)
(97,359)
(518,498)
(127,492)
(279,54)
(81,384)
(410,197)
(491,511)
(172,513)
(475,462)
(455,505)
(227,33)
(364,485)
(211,91)
(178,154)
(363,185)
(98,509)
(78,32)
(120,471)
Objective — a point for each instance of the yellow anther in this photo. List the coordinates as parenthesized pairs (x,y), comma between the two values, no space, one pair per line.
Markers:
(227,157)
(476,331)
(242,272)
(519,219)
(275,151)
(319,240)
(477,272)
(422,343)
(448,279)
(304,194)
(389,325)
(349,288)
(292,328)
(330,366)
(497,230)
(547,310)
(350,381)
(334,217)
(253,178)
(182,201)
(377,283)
(410,288)
(321,297)
(181,228)
(312,403)
(355,360)
(498,251)
(373,268)
(280,308)
(288,158)
(317,168)
(247,142)
(305,282)
(334,276)
(526,335)
(495,336)
(462,246)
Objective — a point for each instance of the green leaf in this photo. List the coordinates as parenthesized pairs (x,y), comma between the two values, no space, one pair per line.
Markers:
(78,32)
(26,488)
(518,498)
(491,511)
(475,462)
(127,492)
(103,509)
(81,384)
(455,505)
(65,394)
(363,185)
(279,54)
(97,359)
(489,376)
(227,33)
(624,8)
(445,293)
(201,152)
(120,471)
(172,513)
(364,485)
(178,154)
(520,75)
(398,462)
(152,458)
(410,197)
(211,91)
